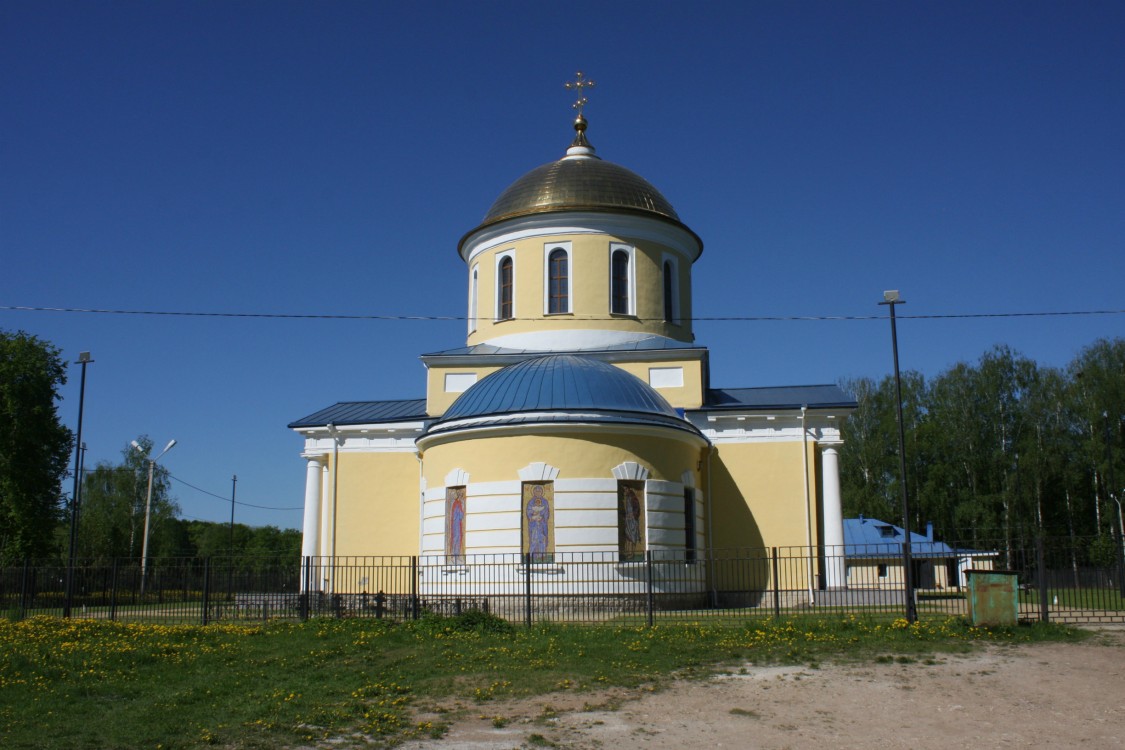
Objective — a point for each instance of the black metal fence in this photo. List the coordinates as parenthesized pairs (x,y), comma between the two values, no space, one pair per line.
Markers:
(1059,580)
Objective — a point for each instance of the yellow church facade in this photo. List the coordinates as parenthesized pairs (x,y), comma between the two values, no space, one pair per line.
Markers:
(578,420)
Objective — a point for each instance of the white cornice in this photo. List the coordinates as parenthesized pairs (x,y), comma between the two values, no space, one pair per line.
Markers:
(362,429)
(579,222)
(761,428)
(558,428)
(622,356)
(386,437)
(568,340)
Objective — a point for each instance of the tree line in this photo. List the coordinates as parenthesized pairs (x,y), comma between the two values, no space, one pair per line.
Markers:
(35,449)
(1002,449)
(112,515)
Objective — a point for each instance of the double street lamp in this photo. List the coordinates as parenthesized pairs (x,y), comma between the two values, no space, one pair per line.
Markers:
(148,503)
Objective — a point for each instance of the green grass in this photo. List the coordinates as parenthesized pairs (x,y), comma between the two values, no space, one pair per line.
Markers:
(97,684)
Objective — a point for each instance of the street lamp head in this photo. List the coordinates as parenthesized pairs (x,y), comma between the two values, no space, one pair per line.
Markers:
(137,445)
(167,448)
(892,296)
(84,357)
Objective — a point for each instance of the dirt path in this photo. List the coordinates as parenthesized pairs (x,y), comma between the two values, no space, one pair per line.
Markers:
(1043,695)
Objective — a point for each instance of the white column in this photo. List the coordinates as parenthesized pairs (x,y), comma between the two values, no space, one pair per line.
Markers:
(310,531)
(325,525)
(833,518)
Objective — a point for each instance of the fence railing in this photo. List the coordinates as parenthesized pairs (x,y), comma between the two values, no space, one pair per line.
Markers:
(1059,580)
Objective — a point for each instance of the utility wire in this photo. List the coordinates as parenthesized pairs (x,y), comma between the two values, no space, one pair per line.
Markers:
(443,318)
(227,499)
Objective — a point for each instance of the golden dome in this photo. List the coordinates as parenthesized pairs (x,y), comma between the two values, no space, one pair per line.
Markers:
(579,184)
(580,181)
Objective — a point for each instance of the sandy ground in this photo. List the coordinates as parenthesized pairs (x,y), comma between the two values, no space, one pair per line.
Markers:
(1043,695)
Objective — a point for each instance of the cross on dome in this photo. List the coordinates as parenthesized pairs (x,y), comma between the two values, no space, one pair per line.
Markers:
(580,147)
(578,85)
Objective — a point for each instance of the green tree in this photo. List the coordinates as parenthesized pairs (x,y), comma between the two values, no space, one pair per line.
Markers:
(870,469)
(111,519)
(34,445)
(210,539)
(1098,392)
(1000,451)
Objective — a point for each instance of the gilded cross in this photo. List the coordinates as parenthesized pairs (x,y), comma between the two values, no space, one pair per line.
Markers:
(578,85)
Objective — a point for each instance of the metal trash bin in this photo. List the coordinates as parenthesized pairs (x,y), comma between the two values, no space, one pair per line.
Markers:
(993,597)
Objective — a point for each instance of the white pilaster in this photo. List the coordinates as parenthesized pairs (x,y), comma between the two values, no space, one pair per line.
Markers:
(833,518)
(325,521)
(310,531)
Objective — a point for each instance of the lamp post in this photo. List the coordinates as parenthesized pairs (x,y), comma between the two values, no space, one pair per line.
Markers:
(1111,486)
(230,561)
(83,359)
(890,299)
(148,504)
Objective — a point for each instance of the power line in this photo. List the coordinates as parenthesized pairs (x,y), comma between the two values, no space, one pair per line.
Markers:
(227,499)
(453,318)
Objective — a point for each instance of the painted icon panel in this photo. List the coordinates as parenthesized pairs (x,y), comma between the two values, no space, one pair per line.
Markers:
(631,521)
(455,525)
(539,521)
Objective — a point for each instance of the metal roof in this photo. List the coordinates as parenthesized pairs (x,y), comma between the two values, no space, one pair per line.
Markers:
(366,412)
(870,537)
(579,184)
(778,397)
(558,381)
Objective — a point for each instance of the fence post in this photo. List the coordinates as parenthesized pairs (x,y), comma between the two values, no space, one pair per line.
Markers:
(1120,563)
(1041,563)
(414,608)
(206,587)
(776,585)
(306,589)
(527,586)
(649,603)
(23,588)
(113,592)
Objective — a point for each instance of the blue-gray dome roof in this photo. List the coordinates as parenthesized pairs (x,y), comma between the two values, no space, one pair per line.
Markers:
(560,388)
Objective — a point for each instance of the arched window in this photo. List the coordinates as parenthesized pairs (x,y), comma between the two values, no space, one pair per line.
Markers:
(504,308)
(473,301)
(669,299)
(619,283)
(558,281)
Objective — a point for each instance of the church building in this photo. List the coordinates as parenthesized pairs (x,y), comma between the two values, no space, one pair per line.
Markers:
(578,417)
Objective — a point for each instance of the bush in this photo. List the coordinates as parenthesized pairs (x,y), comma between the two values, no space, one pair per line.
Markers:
(471,621)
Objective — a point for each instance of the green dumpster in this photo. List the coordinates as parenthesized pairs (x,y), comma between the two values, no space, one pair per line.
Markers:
(993,597)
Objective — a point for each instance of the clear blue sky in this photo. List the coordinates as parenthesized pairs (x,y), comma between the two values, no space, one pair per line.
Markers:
(325,158)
